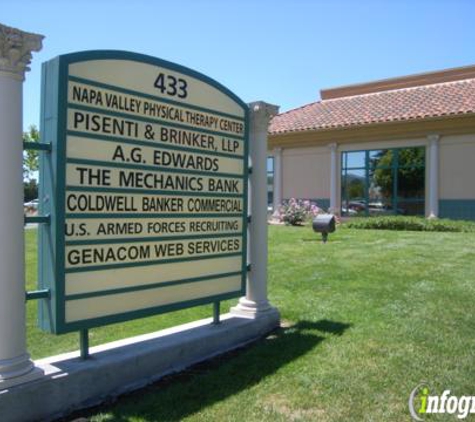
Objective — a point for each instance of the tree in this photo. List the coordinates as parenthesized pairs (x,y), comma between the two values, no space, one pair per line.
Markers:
(30,157)
(30,165)
(383,176)
(30,190)
(354,186)
(410,172)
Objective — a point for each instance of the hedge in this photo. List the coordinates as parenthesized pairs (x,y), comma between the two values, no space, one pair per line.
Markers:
(410,224)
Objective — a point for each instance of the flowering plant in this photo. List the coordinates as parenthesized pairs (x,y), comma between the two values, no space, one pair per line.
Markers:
(296,212)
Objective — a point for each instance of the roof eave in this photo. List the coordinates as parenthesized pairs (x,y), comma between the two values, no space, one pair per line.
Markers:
(444,125)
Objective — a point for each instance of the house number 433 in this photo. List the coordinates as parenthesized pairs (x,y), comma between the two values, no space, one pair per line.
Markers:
(169,85)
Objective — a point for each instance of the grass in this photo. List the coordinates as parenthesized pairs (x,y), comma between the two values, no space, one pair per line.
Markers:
(368,316)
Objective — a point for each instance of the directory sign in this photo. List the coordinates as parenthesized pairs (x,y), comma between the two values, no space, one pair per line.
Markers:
(146,187)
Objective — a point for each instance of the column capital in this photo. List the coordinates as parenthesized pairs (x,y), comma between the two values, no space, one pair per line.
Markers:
(433,138)
(261,113)
(16,47)
(333,146)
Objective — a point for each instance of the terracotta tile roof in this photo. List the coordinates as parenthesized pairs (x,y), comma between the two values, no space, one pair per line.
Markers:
(418,103)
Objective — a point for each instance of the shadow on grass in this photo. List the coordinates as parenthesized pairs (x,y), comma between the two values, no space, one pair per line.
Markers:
(181,395)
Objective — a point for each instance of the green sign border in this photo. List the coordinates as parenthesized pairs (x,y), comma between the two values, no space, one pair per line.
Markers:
(52,240)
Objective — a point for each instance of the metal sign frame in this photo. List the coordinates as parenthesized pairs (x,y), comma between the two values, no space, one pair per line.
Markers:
(53,190)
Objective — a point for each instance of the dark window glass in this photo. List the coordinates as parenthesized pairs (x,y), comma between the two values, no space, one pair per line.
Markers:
(354,192)
(270,181)
(387,181)
(410,207)
(380,191)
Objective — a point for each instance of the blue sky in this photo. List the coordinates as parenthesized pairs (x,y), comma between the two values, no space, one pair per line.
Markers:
(282,52)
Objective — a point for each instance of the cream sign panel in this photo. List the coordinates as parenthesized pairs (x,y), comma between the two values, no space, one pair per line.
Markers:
(146,187)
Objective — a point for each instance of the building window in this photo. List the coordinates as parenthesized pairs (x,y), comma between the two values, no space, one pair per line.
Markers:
(384,181)
(270,181)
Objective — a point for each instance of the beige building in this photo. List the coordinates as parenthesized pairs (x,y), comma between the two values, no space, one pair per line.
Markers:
(397,146)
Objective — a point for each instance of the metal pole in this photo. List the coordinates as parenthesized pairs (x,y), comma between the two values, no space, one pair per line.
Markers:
(216,320)
(84,344)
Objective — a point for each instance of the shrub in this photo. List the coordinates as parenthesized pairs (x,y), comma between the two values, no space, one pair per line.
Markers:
(296,212)
(410,224)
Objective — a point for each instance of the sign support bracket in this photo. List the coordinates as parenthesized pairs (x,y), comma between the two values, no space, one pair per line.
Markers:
(216,320)
(38,294)
(40,219)
(84,344)
(38,146)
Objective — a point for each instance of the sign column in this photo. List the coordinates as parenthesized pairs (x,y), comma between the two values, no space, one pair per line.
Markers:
(255,302)
(15,54)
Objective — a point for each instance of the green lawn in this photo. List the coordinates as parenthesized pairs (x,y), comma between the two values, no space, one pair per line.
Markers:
(368,316)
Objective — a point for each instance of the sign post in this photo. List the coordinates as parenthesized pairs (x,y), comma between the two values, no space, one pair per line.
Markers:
(15,54)
(146,187)
(255,302)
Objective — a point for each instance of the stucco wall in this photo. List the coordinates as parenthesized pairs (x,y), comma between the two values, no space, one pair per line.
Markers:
(306,172)
(457,177)
(457,167)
